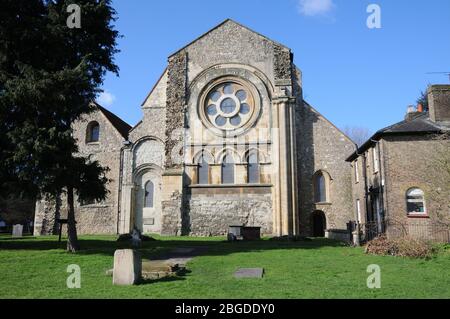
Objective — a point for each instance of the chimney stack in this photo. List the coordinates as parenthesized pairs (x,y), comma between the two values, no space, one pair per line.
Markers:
(420,108)
(439,103)
(410,113)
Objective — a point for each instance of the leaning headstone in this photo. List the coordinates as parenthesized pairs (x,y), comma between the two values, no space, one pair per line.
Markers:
(17,231)
(249,273)
(127,267)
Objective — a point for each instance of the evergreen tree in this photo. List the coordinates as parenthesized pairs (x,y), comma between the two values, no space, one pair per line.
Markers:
(49,74)
(423,99)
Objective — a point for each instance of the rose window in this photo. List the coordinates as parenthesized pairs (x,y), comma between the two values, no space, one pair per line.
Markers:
(229,106)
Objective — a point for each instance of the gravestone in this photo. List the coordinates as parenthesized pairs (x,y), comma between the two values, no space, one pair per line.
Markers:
(249,273)
(17,231)
(127,267)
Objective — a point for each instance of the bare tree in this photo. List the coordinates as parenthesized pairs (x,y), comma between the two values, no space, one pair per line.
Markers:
(358,134)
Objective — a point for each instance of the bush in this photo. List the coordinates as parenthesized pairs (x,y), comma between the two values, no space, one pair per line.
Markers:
(401,247)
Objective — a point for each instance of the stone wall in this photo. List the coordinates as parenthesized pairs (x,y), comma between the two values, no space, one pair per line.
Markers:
(211,213)
(228,43)
(321,146)
(97,218)
(282,63)
(175,107)
(172,193)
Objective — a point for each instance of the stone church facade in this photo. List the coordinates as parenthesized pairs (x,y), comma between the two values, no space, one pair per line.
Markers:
(225,139)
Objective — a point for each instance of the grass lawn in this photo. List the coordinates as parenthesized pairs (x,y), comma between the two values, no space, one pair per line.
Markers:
(36,268)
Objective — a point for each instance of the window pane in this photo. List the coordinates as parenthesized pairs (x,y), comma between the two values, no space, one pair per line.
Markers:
(241,95)
(215,96)
(228,89)
(253,169)
(245,109)
(228,106)
(149,190)
(320,189)
(228,170)
(221,121)
(203,172)
(95,133)
(211,110)
(236,120)
(415,207)
(415,192)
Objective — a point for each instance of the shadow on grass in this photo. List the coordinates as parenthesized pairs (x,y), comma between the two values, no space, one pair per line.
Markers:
(161,248)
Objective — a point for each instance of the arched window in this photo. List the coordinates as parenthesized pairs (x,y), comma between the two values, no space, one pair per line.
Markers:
(228,169)
(203,170)
(320,188)
(253,168)
(149,192)
(93,132)
(415,202)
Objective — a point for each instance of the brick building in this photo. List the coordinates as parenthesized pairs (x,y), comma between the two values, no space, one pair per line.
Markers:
(401,175)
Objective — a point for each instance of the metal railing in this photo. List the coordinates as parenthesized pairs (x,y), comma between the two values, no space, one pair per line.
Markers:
(421,229)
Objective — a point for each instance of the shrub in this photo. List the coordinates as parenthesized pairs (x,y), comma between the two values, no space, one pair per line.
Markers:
(402,247)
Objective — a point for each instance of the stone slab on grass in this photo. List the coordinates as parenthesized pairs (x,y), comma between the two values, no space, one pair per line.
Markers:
(249,273)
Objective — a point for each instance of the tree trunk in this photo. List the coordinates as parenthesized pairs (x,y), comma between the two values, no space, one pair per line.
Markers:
(72,238)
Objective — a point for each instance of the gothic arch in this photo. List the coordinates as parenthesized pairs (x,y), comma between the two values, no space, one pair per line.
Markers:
(228,150)
(206,154)
(148,150)
(262,156)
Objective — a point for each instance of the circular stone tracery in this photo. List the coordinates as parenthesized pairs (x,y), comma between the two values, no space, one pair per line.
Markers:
(229,106)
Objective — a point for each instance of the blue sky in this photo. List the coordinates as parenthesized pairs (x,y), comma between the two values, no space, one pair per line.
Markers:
(353,75)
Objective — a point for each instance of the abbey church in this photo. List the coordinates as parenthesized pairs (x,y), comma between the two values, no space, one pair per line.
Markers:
(226,139)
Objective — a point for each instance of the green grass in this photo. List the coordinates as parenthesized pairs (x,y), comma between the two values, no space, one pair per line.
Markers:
(36,268)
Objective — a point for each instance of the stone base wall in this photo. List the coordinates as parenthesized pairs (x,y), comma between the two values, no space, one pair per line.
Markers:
(211,216)
(91,220)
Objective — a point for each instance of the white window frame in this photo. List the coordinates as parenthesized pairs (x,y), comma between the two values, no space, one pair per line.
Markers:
(358,210)
(423,201)
(376,161)
(356,171)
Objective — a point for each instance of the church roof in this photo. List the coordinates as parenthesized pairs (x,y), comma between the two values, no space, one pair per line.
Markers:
(120,125)
(227,21)
(417,124)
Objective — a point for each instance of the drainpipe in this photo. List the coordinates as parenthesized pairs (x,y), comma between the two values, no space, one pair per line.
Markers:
(382,162)
(366,189)
(381,193)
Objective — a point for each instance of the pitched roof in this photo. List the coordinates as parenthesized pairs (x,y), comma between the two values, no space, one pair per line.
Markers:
(417,124)
(120,125)
(218,27)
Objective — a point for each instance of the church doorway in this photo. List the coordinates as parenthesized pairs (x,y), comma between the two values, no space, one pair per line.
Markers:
(319,223)
(147,202)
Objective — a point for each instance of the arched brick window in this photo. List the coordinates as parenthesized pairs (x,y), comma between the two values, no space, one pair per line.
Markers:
(415,202)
